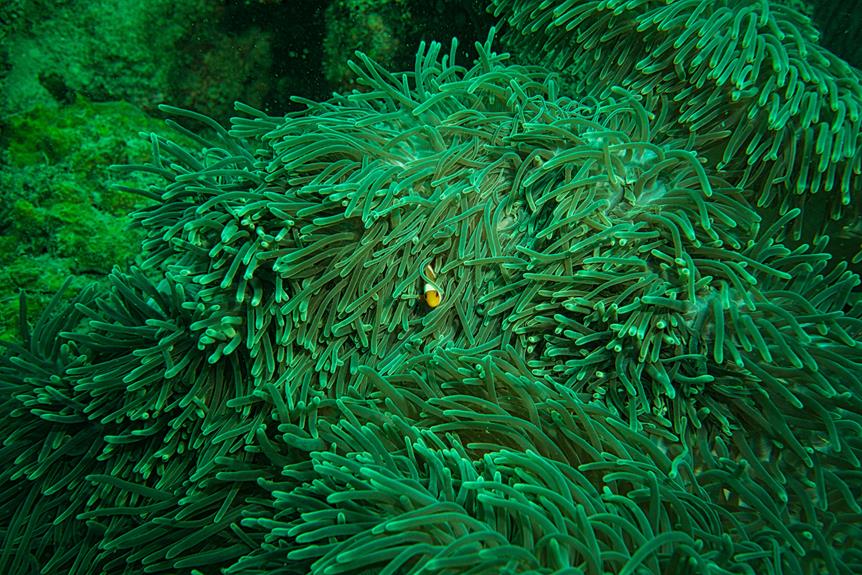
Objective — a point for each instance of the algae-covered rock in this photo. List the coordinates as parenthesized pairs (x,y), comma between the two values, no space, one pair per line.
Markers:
(60,216)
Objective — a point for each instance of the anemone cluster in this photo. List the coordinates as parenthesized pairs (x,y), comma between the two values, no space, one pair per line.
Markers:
(769,106)
(628,371)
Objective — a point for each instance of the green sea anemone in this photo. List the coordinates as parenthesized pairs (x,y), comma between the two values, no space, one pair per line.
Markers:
(770,109)
(627,371)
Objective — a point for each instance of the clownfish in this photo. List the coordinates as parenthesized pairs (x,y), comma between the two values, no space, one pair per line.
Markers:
(431,293)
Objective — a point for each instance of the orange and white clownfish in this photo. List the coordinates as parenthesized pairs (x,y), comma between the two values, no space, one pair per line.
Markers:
(431,294)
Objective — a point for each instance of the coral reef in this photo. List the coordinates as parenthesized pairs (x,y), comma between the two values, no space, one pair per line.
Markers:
(61,216)
(387,31)
(130,51)
(629,372)
(376,28)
